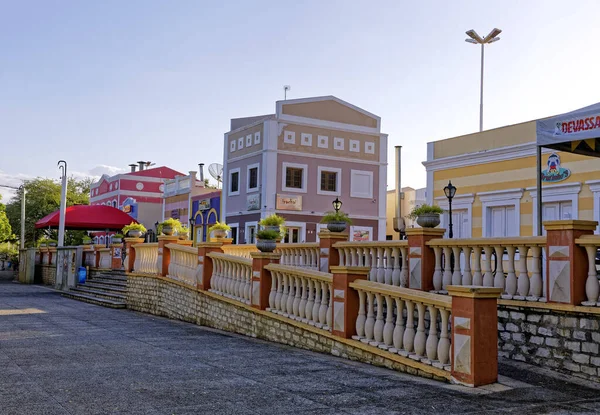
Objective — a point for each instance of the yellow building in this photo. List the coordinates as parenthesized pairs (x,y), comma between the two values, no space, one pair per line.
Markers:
(495,174)
(410,198)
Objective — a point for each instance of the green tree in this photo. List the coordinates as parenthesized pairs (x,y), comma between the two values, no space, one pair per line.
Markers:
(5,228)
(43,198)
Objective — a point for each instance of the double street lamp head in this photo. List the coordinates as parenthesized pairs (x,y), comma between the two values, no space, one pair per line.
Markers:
(450,190)
(476,39)
(337,204)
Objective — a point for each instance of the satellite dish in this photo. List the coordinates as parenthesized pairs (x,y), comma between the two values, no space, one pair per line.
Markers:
(216,171)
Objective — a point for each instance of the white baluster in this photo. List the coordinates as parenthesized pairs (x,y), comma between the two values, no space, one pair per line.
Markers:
(536,273)
(317,303)
(380,266)
(404,270)
(523,284)
(284,294)
(396,273)
(421,337)
(511,278)
(447,276)
(362,314)
(297,297)
(273,293)
(432,339)
(310,303)
(279,294)
(467,278)
(499,280)
(388,328)
(370,322)
(456,275)
(329,311)
(409,332)
(592,289)
(378,329)
(343,259)
(443,351)
(488,277)
(324,304)
(302,304)
(399,328)
(477,277)
(437,273)
(388,266)
(369,263)
(291,295)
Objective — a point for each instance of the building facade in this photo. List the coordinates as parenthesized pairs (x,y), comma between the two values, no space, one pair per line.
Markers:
(297,161)
(138,193)
(495,174)
(410,198)
(206,211)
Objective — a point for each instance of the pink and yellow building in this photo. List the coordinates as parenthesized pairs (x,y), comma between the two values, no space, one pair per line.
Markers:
(297,161)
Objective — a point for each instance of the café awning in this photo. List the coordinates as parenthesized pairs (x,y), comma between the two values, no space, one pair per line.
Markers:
(89,218)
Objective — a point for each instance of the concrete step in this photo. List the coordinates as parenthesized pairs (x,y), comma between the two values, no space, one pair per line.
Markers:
(99,293)
(117,289)
(107,281)
(111,277)
(94,300)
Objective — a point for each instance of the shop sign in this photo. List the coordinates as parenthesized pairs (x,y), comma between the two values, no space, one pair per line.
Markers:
(554,172)
(253,202)
(127,208)
(175,213)
(288,202)
(204,204)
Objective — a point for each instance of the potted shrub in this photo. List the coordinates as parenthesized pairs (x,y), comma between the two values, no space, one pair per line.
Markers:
(117,238)
(134,230)
(273,222)
(52,242)
(43,243)
(266,240)
(427,216)
(219,230)
(169,226)
(183,233)
(87,240)
(336,221)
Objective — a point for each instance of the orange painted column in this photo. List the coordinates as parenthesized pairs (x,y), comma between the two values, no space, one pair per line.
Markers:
(421,258)
(566,262)
(115,255)
(130,258)
(346,299)
(205,248)
(329,256)
(164,253)
(474,324)
(261,278)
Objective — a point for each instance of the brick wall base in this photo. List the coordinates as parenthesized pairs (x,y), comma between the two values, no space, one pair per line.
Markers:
(48,274)
(159,296)
(565,342)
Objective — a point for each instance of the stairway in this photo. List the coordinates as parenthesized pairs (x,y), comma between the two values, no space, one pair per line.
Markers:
(108,289)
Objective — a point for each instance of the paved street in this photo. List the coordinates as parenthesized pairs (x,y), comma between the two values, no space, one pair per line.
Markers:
(60,356)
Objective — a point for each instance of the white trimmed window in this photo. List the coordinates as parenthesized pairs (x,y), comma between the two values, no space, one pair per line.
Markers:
(361,184)
(240,143)
(306,139)
(232,146)
(354,146)
(559,202)
(257,138)
(249,140)
(294,177)
(338,143)
(329,181)
(370,147)
(462,216)
(289,137)
(234,182)
(234,233)
(253,174)
(595,188)
(501,213)
(250,232)
(323,141)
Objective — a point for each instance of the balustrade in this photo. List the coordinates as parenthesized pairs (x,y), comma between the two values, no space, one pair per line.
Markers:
(591,243)
(301,295)
(388,260)
(242,251)
(105,258)
(146,258)
(89,258)
(299,255)
(232,276)
(411,323)
(183,265)
(513,264)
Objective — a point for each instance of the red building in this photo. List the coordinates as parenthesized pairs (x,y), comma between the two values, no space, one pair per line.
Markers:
(138,192)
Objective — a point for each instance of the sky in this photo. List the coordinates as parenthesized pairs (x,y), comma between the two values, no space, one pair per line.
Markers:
(104,84)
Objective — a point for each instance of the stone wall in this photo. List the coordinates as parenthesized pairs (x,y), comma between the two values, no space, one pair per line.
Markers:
(564,341)
(48,273)
(171,299)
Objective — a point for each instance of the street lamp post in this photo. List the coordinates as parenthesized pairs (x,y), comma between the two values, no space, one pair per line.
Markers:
(450,191)
(475,39)
(337,205)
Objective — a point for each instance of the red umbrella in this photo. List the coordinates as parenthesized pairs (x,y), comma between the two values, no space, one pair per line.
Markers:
(84,217)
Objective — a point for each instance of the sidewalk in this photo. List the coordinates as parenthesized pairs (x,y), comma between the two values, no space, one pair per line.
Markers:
(59,356)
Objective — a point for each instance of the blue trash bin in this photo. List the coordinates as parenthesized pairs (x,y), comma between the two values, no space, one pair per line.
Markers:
(82,274)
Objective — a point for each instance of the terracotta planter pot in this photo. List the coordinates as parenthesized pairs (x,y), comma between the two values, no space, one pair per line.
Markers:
(429,220)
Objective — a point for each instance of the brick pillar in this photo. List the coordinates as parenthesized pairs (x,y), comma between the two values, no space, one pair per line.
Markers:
(329,256)
(97,255)
(474,353)
(115,255)
(185,242)
(345,299)
(566,262)
(130,258)
(206,269)
(261,278)
(164,253)
(421,258)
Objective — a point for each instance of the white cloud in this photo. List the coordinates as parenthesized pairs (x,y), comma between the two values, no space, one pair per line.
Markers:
(14,180)
(104,169)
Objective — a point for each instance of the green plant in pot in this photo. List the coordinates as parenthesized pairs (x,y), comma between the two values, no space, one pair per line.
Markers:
(183,233)
(219,230)
(272,222)
(87,240)
(427,216)
(117,238)
(169,226)
(52,242)
(336,221)
(134,230)
(266,240)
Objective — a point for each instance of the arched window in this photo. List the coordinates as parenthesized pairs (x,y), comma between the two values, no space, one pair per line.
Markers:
(102,240)
(114,204)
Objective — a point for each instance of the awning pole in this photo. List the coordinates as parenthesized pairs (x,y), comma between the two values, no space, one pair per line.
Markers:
(539,190)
